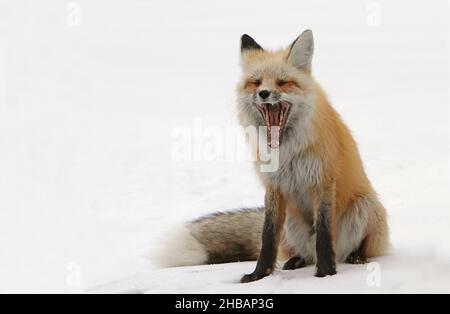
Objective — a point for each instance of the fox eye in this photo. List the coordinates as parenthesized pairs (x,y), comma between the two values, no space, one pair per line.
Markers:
(283,83)
(253,84)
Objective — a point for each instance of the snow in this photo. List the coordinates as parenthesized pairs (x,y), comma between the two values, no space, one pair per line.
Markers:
(398,274)
(91,93)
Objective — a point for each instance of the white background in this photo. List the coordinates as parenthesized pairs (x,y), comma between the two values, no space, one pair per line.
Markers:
(90,92)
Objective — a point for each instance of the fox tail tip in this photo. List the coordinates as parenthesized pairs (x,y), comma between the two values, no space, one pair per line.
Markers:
(181,249)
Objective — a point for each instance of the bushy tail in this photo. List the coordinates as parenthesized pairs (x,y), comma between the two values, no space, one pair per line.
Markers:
(219,238)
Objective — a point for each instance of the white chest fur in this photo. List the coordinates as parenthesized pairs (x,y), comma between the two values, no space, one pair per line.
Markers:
(297,172)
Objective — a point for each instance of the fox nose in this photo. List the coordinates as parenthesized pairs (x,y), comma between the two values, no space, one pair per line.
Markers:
(264,94)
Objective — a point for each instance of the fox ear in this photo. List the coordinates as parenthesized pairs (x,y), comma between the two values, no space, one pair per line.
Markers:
(248,43)
(301,52)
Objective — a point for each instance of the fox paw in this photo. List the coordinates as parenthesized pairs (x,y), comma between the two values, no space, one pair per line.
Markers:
(326,270)
(356,258)
(255,277)
(295,262)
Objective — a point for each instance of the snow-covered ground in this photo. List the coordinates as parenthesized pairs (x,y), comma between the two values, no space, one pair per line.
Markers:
(92,91)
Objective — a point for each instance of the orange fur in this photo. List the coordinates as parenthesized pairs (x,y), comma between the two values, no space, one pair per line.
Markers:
(336,148)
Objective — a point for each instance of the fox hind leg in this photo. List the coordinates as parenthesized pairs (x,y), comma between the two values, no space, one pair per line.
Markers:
(375,244)
(363,231)
(377,240)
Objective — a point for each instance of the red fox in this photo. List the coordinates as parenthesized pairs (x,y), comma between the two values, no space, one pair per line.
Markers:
(320,206)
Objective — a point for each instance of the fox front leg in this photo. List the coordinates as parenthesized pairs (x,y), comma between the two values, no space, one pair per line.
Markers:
(273,225)
(325,228)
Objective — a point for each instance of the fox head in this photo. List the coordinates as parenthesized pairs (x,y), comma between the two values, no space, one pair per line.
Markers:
(277,90)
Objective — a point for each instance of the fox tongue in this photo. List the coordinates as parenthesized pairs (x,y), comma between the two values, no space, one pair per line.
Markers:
(273,115)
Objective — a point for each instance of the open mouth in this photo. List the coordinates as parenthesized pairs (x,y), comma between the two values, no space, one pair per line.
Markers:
(275,116)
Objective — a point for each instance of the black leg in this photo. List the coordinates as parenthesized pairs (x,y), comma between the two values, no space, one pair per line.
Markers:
(271,237)
(268,254)
(295,262)
(326,259)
